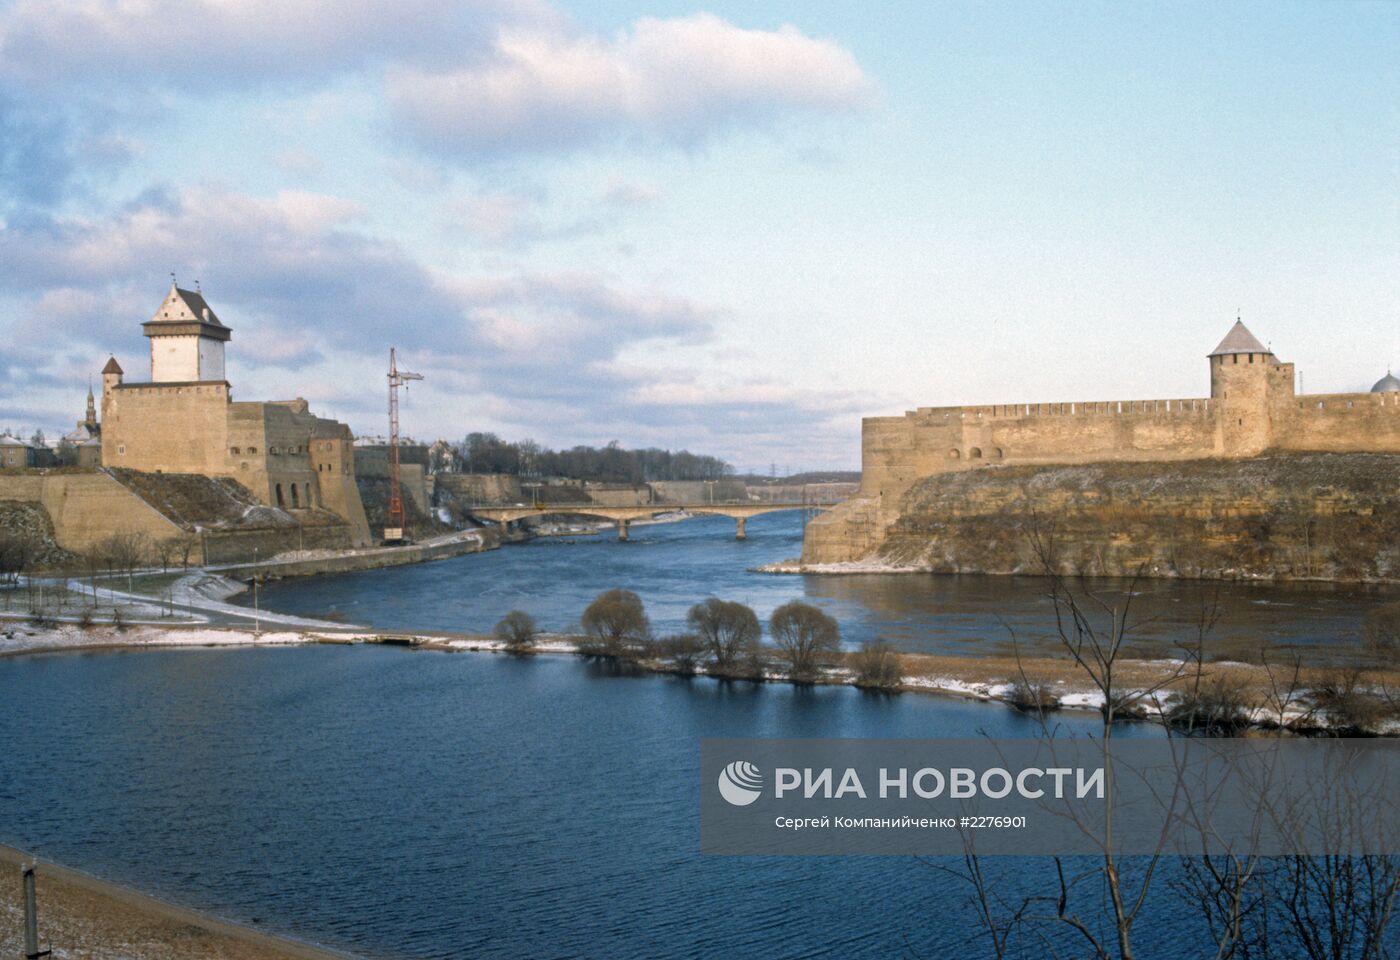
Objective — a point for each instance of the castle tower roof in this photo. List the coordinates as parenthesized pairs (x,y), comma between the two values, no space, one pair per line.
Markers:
(1239,340)
(1387,384)
(112,366)
(185,312)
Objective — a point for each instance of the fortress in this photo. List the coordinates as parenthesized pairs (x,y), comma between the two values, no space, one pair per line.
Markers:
(1253,409)
(185,421)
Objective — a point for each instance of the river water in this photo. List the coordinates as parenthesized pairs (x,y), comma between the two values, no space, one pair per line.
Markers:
(429,805)
(672,566)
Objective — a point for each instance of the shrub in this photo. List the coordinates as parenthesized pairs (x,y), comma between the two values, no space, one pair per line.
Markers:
(683,651)
(1347,704)
(805,636)
(728,629)
(1217,706)
(615,624)
(877,666)
(517,629)
(1033,696)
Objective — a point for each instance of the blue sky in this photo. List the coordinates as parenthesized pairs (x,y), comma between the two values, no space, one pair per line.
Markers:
(732,227)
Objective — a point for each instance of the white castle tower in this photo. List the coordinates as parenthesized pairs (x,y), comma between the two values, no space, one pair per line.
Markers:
(187,340)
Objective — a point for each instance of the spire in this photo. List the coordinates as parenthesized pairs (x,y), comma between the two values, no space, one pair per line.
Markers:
(90,421)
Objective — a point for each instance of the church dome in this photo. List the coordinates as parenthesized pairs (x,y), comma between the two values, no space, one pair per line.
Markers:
(1387,384)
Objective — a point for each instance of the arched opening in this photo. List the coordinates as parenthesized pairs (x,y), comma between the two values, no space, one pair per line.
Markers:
(953,455)
(997,453)
(975,453)
(296,504)
(280,501)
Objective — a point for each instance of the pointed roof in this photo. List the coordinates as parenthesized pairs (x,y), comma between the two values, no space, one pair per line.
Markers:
(184,313)
(1239,340)
(185,306)
(112,366)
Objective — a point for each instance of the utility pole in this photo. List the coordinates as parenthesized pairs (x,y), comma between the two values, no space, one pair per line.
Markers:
(257,614)
(393,532)
(31,916)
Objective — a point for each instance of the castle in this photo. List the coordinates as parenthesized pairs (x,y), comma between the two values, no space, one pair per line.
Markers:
(185,421)
(1252,409)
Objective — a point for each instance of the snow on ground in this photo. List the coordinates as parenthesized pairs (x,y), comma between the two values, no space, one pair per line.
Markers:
(23,637)
(846,566)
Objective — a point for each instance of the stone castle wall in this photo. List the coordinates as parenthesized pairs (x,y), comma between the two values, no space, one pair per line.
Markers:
(1252,410)
(88,508)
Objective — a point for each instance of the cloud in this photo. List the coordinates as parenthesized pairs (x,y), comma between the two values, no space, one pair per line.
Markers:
(301,284)
(677,80)
(209,44)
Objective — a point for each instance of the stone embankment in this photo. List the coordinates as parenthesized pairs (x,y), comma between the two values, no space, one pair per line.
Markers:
(1333,517)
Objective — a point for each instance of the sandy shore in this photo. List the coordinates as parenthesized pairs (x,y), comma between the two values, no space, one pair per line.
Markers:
(81,917)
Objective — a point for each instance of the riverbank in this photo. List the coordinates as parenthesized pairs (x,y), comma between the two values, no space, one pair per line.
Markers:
(84,918)
(1259,694)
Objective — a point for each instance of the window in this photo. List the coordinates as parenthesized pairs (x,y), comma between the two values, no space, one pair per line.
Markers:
(121,449)
(954,455)
(252,449)
(975,453)
(234,451)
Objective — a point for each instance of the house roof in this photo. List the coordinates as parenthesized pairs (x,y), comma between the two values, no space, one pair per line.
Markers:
(1239,340)
(8,441)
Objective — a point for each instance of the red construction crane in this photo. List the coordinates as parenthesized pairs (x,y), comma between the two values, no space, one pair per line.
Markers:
(393,531)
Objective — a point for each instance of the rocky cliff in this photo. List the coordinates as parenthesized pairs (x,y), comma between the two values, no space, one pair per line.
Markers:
(1311,516)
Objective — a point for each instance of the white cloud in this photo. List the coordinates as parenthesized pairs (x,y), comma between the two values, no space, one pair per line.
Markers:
(206,44)
(675,79)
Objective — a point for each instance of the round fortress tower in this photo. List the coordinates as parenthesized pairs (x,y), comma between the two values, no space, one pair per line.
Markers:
(187,340)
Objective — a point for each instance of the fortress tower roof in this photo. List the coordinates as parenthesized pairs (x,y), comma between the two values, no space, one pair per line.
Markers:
(1387,384)
(112,366)
(185,312)
(1239,340)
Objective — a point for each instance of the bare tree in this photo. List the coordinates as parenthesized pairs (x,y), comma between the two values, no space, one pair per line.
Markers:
(728,629)
(1381,632)
(805,636)
(616,624)
(517,629)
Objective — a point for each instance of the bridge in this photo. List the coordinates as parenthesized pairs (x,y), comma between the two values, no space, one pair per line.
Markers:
(739,512)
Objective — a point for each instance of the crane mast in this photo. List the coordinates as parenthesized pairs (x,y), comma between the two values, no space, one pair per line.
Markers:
(393,531)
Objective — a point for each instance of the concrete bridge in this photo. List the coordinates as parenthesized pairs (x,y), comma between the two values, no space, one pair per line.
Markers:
(740,512)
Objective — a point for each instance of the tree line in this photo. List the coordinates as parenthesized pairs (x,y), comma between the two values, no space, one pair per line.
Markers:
(488,453)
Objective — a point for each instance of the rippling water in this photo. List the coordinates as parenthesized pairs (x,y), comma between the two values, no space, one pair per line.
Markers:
(419,804)
(674,565)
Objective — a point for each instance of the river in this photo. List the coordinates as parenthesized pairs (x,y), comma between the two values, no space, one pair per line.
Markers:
(429,805)
(672,566)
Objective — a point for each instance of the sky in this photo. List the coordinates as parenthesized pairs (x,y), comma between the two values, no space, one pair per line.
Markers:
(735,228)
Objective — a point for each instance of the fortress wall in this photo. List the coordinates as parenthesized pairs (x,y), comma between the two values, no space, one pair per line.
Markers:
(167,428)
(482,487)
(897,451)
(87,508)
(240,546)
(1341,423)
(333,460)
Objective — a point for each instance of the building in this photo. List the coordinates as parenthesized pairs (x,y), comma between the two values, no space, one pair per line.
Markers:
(185,421)
(1253,408)
(15,454)
(82,446)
